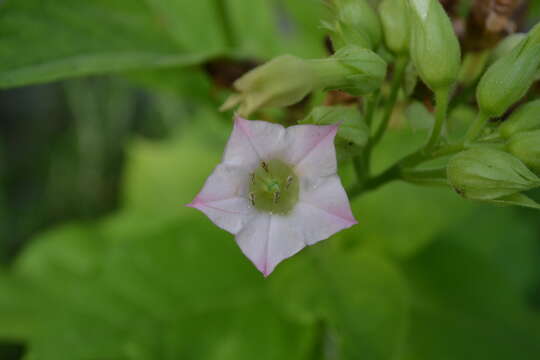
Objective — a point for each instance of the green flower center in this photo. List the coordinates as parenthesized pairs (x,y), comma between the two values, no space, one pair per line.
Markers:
(274,187)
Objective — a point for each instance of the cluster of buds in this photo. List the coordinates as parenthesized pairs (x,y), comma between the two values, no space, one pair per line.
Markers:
(502,175)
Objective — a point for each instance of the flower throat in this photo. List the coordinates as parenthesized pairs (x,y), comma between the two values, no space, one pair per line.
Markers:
(273,187)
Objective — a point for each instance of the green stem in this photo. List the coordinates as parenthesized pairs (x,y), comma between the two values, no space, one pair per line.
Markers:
(371,105)
(401,64)
(441,101)
(425,176)
(402,169)
(477,127)
(390,174)
(421,156)
(362,167)
(362,162)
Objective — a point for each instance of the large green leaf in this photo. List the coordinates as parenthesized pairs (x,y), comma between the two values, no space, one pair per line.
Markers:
(160,294)
(48,40)
(360,298)
(471,291)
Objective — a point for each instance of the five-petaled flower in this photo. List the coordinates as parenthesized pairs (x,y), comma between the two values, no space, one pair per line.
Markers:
(277,190)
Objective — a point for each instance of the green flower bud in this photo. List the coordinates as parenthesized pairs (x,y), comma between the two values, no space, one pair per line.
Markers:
(525,118)
(434,46)
(353,132)
(506,45)
(488,174)
(355,23)
(282,81)
(510,77)
(287,79)
(526,147)
(352,69)
(395,25)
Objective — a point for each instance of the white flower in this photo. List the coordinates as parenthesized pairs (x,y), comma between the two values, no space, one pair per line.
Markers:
(277,190)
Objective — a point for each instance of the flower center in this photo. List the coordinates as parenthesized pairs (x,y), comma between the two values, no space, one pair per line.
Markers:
(274,187)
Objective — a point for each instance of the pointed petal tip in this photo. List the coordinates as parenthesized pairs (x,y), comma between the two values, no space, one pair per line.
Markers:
(195,203)
(265,271)
(335,127)
(349,220)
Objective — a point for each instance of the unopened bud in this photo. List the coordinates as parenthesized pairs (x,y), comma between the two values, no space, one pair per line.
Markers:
(355,23)
(434,46)
(506,45)
(280,82)
(526,147)
(287,79)
(395,25)
(510,77)
(489,174)
(352,69)
(525,118)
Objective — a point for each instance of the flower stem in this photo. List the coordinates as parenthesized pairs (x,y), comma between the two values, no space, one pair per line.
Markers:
(425,176)
(362,162)
(371,105)
(402,169)
(401,64)
(390,174)
(441,102)
(477,127)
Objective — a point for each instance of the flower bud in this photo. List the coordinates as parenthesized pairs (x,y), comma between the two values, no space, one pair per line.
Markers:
(355,70)
(489,174)
(282,81)
(525,118)
(434,46)
(287,79)
(506,45)
(355,23)
(526,147)
(353,132)
(510,77)
(395,25)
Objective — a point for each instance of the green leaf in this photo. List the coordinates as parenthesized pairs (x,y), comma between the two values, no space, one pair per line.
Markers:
(47,41)
(360,298)
(153,294)
(471,291)
(267,28)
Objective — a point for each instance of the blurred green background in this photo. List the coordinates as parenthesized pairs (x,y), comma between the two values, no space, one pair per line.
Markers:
(109,125)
